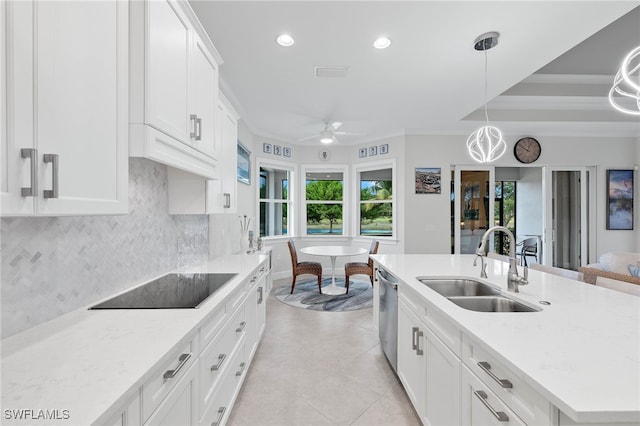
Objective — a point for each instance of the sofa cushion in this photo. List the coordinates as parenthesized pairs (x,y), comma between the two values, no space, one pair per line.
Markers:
(617,262)
(634,270)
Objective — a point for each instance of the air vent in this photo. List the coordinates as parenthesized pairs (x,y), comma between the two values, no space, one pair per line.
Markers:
(331,72)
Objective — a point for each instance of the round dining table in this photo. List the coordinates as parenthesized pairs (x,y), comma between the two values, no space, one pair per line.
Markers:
(333,252)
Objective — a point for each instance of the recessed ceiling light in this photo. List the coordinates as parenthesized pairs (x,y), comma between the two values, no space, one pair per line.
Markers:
(382,43)
(285,40)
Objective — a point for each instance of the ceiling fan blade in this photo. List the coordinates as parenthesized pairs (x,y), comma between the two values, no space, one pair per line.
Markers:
(335,125)
(349,133)
(307,138)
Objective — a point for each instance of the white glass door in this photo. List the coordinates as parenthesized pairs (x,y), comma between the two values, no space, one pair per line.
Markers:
(473,212)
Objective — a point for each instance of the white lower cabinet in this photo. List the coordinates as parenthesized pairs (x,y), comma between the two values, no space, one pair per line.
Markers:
(428,369)
(180,407)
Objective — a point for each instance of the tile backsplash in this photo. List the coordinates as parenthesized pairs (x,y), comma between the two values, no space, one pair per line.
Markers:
(53,265)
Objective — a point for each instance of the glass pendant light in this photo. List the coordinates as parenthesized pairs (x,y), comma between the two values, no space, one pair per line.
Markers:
(486,144)
(626,85)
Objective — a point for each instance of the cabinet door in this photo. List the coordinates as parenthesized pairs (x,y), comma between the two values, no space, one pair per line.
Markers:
(443,383)
(81,106)
(203,97)
(180,407)
(411,360)
(251,315)
(262,304)
(168,39)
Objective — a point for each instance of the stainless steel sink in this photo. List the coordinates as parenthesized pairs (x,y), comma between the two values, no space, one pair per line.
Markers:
(491,304)
(452,287)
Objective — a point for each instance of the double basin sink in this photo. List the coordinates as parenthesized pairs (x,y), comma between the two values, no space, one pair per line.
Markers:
(474,295)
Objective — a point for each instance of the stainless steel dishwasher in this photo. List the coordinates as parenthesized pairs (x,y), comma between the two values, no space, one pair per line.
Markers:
(388,325)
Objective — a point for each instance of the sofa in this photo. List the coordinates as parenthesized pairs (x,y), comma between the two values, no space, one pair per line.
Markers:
(612,266)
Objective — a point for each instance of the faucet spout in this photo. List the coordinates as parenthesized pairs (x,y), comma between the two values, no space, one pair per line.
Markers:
(513,279)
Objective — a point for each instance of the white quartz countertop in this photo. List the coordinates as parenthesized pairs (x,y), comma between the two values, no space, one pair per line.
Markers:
(581,352)
(88,361)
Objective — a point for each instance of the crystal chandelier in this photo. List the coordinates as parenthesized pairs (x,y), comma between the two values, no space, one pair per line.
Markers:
(626,85)
(486,144)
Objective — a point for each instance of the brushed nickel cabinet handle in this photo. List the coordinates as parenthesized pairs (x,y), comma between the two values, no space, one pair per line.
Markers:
(260,296)
(193,119)
(227,200)
(170,374)
(218,421)
(414,332)
(217,366)
(32,154)
(53,192)
(242,326)
(500,415)
(486,367)
(418,336)
(239,372)
(198,128)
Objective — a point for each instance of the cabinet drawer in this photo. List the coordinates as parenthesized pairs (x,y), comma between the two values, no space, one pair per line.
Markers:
(156,388)
(213,325)
(482,407)
(217,410)
(528,404)
(237,297)
(216,357)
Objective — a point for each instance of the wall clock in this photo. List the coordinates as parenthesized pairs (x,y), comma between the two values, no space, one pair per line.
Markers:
(527,150)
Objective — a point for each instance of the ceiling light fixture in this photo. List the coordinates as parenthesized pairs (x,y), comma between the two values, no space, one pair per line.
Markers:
(486,144)
(285,40)
(626,85)
(382,43)
(326,136)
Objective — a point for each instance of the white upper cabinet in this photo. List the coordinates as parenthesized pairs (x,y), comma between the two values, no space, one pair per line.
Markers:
(174,75)
(65,108)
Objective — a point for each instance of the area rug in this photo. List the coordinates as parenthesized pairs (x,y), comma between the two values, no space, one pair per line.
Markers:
(306,295)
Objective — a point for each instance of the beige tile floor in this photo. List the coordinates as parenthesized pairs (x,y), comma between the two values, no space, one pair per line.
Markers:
(320,368)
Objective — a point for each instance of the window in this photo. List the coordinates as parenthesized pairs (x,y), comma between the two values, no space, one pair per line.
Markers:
(275,201)
(376,202)
(324,195)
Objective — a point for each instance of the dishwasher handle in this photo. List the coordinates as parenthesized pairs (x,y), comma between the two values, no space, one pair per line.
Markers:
(388,280)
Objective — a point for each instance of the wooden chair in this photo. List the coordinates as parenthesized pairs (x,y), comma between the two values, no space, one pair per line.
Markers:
(300,268)
(361,268)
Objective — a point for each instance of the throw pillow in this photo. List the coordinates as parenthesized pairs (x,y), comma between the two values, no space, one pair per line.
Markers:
(634,270)
(617,262)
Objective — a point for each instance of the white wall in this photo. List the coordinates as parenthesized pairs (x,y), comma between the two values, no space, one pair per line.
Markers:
(427,216)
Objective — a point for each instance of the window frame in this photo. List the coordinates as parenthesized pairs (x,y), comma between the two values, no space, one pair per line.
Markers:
(346,185)
(291,168)
(367,167)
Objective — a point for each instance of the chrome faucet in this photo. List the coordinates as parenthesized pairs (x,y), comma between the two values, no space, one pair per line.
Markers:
(513,280)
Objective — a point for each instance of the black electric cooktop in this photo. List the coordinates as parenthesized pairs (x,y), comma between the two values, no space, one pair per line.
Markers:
(172,291)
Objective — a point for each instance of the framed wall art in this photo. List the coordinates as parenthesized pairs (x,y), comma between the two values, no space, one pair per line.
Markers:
(266,148)
(428,180)
(620,199)
(362,152)
(373,150)
(384,148)
(244,164)
(286,151)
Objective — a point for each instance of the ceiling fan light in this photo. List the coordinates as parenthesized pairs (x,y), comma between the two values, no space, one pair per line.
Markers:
(326,136)
(382,43)
(285,40)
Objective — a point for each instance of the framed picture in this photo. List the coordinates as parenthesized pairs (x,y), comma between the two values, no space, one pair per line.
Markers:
(373,150)
(277,150)
(362,152)
(620,199)
(428,180)
(244,164)
(384,149)
(286,151)
(266,148)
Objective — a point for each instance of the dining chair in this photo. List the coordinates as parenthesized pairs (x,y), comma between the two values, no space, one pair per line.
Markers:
(300,268)
(528,247)
(361,268)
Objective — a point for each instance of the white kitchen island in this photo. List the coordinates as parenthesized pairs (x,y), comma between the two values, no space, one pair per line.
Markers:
(576,360)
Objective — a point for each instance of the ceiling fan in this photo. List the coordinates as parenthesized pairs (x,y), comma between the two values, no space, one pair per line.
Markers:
(328,134)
